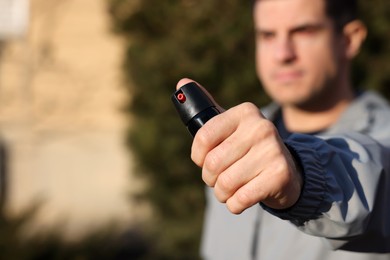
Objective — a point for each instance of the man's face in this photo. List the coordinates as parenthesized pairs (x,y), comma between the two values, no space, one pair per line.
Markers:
(298,53)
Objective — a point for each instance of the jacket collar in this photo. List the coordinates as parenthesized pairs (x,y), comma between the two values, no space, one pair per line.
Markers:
(358,116)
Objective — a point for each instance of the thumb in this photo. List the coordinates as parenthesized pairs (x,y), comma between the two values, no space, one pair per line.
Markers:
(185,81)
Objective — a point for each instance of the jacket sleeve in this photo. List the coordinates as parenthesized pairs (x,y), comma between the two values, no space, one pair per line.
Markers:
(346,192)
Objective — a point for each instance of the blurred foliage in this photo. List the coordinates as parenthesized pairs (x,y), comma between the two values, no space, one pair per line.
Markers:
(101,244)
(372,66)
(212,42)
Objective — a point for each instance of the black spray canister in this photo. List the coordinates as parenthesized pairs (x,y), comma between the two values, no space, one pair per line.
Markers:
(194,106)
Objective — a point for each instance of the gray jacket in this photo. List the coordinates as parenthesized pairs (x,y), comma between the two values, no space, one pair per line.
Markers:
(344,208)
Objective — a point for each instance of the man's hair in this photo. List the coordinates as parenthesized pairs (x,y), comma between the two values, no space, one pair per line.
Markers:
(340,11)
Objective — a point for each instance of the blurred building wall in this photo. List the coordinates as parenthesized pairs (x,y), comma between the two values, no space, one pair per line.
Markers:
(60,118)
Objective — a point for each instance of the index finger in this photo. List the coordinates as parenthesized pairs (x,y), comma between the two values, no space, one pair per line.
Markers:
(214,132)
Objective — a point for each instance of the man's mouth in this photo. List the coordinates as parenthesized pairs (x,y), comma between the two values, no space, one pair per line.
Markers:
(286,77)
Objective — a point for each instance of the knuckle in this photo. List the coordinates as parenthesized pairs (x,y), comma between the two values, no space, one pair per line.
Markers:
(235,209)
(249,108)
(259,125)
(208,179)
(266,127)
(200,146)
(196,158)
(212,162)
(263,129)
(203,136)
(225,183)
(244,198)
(280,165)
(221,196)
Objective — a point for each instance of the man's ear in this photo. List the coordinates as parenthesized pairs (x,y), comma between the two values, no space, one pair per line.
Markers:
(355,33)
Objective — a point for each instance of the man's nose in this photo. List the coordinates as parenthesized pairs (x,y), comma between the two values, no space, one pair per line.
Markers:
(285,50)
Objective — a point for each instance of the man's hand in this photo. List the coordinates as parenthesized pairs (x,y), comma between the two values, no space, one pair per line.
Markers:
(243,157)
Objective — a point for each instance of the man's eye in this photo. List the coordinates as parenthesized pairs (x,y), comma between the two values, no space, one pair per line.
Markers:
(308,30)
(266,35)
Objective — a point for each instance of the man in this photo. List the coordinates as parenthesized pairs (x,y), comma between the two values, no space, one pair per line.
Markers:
(309,177)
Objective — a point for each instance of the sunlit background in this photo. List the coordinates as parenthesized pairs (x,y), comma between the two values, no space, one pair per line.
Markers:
(65,165)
